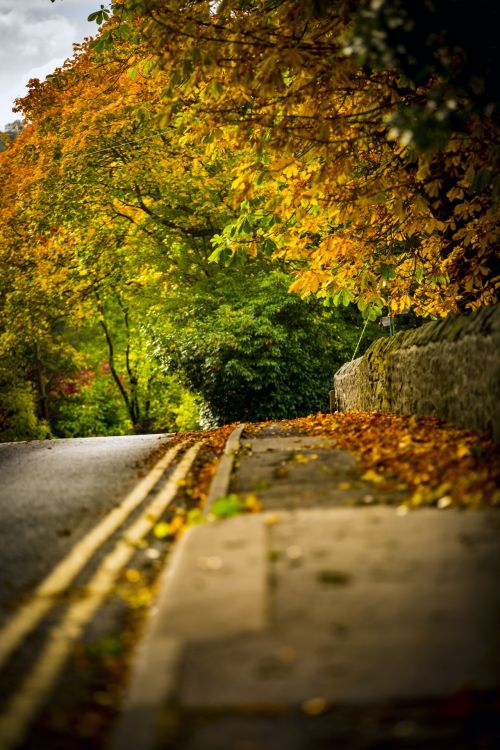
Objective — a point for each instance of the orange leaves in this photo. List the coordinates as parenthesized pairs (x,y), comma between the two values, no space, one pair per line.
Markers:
(208,110)
(307,283)
(440,464)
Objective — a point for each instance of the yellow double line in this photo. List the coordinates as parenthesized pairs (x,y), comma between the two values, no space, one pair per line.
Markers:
(31,694)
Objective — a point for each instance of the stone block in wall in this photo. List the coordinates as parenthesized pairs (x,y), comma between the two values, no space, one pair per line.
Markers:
(448,368)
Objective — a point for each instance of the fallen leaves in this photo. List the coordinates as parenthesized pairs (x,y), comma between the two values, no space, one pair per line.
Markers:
(233,505)
(438,464)
(372,476)
(162,529)
(314,706)
(334,577)
(301,458)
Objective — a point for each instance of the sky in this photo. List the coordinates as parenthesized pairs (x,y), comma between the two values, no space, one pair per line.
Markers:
(36,36)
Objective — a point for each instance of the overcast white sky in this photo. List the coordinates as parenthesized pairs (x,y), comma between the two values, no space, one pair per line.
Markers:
(36,36)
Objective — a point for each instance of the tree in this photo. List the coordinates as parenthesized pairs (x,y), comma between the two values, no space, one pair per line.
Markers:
(369,206)
(10,133)
(18,405)
(70,231)
(447,50)
(252,350)
(112,221)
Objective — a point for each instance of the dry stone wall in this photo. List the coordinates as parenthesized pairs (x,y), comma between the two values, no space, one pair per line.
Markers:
(448,368)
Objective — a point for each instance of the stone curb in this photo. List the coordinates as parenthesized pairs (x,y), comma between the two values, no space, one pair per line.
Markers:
(214,584)
(220,482)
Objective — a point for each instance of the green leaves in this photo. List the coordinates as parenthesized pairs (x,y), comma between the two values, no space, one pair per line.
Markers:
(252,350)
(226,507)
(99,16)
(144,67)
(386,271)
(232,505)
(343,297)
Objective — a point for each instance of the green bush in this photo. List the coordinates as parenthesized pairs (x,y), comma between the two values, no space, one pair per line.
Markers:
(92,409)
(96,408)
(18,417)
(253,351)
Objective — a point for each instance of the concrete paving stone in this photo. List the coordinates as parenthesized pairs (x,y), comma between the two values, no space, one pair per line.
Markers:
(463,722)
(222,477)
(219,585)
(303,472)
(286,443)
(359,614)
(216,585)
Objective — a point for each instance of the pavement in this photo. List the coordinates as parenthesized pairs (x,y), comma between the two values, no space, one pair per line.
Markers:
(333,618)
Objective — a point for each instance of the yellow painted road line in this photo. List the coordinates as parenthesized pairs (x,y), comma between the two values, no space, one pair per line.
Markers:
(42,600)
(24,705)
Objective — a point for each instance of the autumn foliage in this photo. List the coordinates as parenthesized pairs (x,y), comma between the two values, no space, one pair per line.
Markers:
(188,136)
(376,176)
(430,462)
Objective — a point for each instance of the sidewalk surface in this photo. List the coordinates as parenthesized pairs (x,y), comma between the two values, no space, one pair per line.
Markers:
(332,619)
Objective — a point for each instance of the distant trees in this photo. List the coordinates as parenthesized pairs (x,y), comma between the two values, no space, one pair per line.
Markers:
(10,133)
(254,351)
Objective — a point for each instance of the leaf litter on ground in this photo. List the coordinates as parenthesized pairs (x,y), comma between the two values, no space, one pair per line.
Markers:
(436,463)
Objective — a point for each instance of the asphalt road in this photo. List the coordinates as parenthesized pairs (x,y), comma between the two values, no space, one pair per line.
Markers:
(52,493)
(74,514)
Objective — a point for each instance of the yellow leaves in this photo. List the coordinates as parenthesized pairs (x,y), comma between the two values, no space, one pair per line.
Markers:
(163,529)
(430,249)
(314,706)
(132,575)
(372,476)
(252,503)
(307,283)
(302,458)
(280,126)
(197,167)
(291,170)
(344,485)
(401,302)
(135,589)
(420,205)
(437,464)
(463,450)
(232,505)
(419,496)
(297,286)
(399,211)
(424,169)
(455,194)
(466,209)
(433,188)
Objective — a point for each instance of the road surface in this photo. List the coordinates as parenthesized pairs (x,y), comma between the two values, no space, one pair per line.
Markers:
(75,514)
(52,492)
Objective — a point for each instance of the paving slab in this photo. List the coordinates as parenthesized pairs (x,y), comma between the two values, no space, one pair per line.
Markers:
(300,471)
(359,614)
